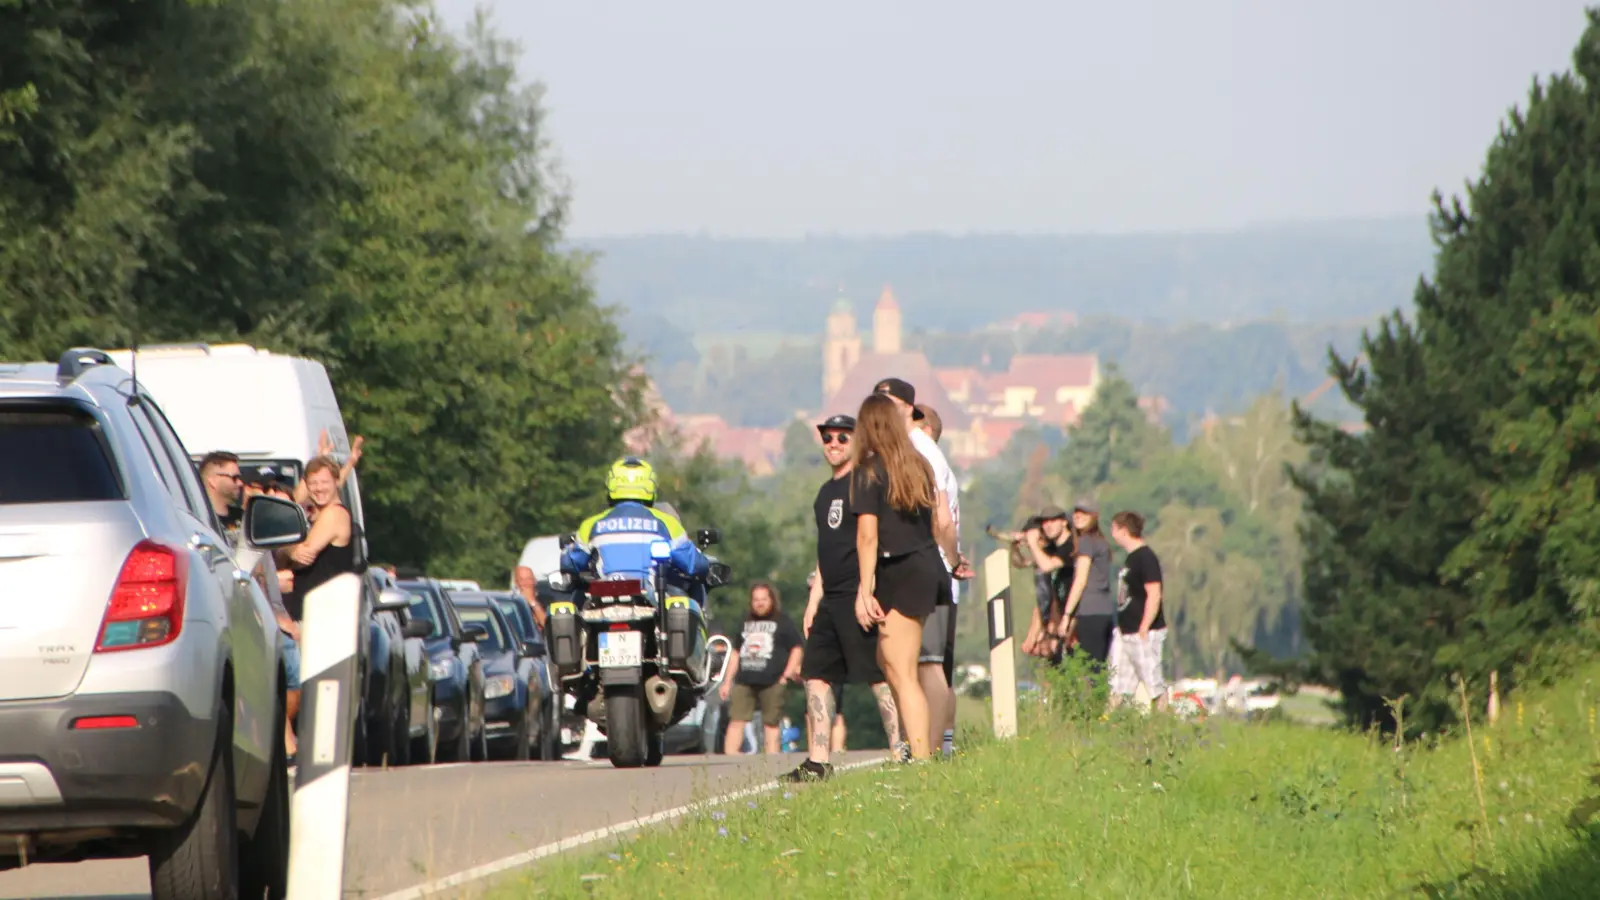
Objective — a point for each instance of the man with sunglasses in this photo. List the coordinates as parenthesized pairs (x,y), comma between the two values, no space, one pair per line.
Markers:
(837,650)
(219,472)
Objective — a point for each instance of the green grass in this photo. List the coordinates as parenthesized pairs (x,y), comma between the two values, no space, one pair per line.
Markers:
(1152,808)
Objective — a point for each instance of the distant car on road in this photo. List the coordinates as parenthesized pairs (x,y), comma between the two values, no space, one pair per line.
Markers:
(456,671)
(547,742)
(511,708)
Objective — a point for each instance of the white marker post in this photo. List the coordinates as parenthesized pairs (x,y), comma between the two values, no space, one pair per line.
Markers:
(320,807)
(1002,653)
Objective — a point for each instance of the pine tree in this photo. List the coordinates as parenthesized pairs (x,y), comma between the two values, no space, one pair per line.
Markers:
(1451,537)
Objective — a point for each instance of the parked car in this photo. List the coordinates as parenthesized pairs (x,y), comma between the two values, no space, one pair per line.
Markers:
(458,584)
(511,705)
(547,742)
(390,683)
(142,704)
(456,670)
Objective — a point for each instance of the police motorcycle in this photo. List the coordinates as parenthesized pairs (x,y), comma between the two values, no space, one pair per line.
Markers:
(634,652)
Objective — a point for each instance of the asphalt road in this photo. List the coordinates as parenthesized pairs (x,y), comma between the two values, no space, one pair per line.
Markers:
(412,826)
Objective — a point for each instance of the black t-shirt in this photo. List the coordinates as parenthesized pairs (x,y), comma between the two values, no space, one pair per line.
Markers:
(1061,577)
(899,532)
(764,649)
(836,540)
(1139,569)
(231,520)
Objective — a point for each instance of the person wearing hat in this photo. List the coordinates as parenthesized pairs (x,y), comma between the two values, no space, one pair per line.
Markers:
(1056,541)
(938,633)
(837,649)
(1091,606)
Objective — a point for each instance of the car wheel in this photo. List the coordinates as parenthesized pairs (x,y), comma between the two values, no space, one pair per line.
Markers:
(550,730)
(199,860)
(264,858)
(524,745)
(425,749)
(400,732)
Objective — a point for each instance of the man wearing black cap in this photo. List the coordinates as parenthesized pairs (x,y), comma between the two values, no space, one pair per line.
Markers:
(936,683)
(837,650)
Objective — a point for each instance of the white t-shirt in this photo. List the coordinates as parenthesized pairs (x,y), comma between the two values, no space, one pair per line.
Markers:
(945,479)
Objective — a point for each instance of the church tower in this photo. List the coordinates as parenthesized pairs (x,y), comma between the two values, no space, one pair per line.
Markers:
(886,324)
(841,348)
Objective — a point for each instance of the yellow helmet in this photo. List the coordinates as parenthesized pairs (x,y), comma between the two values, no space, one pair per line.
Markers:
(631,478)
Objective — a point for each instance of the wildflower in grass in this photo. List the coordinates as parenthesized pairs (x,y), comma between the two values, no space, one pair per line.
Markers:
(788,795)
(614,857)
(722,832)
(751,804)
(718,816)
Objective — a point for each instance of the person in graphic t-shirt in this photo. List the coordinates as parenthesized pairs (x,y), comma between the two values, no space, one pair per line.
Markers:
(767,659)
(1141,632)
(838,650)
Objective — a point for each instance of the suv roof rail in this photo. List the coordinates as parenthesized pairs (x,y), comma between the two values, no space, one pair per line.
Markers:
(79,360)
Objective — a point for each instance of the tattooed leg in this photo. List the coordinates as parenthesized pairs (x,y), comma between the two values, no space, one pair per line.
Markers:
(819,718)
(889,711)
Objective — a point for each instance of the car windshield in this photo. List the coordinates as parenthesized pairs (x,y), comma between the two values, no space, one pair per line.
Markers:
(422,608)
(477,615)
(512,611)
(53,454)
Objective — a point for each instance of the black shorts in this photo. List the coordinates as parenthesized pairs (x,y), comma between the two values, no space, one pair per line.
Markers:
(838,651)
(913,584)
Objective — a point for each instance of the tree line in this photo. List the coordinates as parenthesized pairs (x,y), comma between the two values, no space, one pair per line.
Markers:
(341,179)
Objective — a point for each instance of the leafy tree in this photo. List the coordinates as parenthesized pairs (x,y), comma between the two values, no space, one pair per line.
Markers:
(1454,536)
(1110,439)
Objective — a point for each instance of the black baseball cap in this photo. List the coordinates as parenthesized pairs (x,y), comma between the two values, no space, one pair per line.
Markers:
(900,389)
(839,422)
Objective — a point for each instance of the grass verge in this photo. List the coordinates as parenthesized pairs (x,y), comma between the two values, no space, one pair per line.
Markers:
(1152,807)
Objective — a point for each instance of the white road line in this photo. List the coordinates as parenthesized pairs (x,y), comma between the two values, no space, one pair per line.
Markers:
(528,856)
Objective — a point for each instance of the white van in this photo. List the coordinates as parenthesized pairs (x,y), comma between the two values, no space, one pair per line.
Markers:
(291,403)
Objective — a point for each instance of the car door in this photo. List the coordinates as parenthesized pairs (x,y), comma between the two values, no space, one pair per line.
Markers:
(239,616)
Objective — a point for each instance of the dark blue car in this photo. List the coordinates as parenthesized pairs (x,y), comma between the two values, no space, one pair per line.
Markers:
(457,670)
(547,742)
(511,709)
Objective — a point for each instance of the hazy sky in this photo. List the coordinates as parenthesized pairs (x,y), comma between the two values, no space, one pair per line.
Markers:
(745,118)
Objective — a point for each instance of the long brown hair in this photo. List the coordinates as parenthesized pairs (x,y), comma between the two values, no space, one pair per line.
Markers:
(881,433)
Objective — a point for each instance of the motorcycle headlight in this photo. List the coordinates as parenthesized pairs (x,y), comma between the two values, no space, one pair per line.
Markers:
(498,686)
(440,671)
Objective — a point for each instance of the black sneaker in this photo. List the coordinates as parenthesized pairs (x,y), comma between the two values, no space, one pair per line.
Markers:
(809,770)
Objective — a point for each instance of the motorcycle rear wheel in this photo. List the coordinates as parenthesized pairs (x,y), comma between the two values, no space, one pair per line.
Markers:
(626,737)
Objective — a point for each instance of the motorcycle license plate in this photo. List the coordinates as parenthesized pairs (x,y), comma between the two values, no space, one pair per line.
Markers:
(620,648)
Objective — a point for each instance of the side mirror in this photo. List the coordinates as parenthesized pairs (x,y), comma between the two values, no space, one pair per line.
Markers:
(474,633)
(391,599)
(417,628)
(720,575)
(567,540)
(706,537)
(271,522)
(721,665)
(533,650)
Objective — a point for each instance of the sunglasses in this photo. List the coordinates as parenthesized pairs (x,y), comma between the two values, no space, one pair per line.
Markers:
(840,439)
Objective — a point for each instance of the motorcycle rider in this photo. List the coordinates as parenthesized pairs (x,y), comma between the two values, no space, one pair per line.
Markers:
(618,540)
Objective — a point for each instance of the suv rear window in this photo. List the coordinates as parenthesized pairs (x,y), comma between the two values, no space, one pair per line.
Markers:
(53,455)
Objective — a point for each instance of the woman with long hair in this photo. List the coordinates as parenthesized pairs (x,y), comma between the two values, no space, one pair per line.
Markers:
(1091,610)
(893,495)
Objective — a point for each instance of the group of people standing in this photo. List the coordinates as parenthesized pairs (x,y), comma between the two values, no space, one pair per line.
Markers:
(1116,621)
(883,597)
(881,610)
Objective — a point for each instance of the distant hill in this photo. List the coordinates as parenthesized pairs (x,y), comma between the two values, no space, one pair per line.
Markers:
(1336,271)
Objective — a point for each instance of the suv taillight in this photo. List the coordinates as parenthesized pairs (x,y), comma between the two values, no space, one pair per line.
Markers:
(146,608)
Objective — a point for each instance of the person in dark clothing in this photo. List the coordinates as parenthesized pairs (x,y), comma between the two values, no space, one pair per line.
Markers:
(768,658)
(894,496)
(327,551)
(1091,608)
(1136,645)
(838,650)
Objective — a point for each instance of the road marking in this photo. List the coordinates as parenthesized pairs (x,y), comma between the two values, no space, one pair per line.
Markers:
(588,837)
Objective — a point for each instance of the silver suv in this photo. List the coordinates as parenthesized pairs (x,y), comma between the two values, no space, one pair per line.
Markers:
(141,683)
